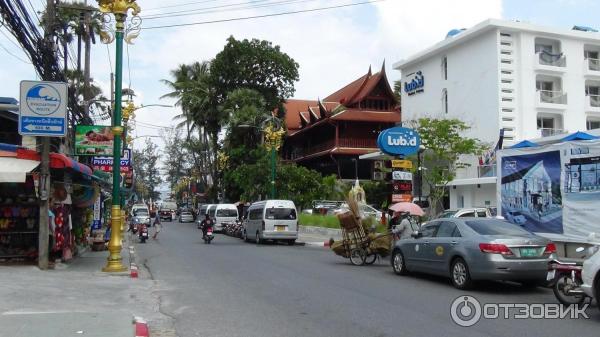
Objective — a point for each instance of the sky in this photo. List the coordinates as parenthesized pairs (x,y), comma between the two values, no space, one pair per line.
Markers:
(333,47)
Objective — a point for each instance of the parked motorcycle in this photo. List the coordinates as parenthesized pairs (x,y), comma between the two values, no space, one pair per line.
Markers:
(565,280)
(143,233)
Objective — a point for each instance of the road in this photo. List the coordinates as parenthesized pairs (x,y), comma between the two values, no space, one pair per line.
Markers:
(232,288)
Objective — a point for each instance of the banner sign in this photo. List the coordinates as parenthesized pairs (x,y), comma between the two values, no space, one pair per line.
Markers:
(399,187)
(93,140)
(43,108)
(399,141)
(404,164)
(97,222)
(401,175)
(401,198)
(108,161)
(553,190)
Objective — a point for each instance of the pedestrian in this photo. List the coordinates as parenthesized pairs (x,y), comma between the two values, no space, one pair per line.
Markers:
(157,225)
(404,229)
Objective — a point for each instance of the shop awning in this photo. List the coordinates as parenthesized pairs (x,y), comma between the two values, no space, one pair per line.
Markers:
(14,170)
(59,161)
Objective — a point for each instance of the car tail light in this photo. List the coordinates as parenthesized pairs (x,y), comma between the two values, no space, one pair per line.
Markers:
(550,249)
(495,248)
(263,225)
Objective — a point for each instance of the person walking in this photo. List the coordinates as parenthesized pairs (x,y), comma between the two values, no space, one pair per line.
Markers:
(157,225)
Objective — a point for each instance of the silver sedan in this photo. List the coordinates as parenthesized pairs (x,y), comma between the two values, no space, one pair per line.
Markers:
(470,249)
(186,216)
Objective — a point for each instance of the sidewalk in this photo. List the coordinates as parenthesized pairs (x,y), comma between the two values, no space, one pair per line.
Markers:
(75,299)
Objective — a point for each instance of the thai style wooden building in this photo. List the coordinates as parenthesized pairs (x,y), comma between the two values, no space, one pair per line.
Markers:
(329,135)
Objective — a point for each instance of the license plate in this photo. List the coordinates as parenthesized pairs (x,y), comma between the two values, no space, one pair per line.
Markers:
(529,252)
(280,228)
(551,274)
(145,235)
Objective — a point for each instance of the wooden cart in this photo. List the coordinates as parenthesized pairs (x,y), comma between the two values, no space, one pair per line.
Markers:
(358,244)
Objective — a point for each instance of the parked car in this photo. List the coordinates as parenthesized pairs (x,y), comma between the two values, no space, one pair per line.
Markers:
(470,249)
(591,274)
(476,212)
(186,216)
(272,220)
(224,213)
(364,209)
(516,217)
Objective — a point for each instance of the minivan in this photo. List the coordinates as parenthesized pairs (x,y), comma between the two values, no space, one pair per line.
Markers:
(272,220)
(224,213)
(210,210)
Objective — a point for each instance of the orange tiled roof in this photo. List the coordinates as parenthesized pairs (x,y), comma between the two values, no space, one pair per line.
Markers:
(371,116)
(293,107)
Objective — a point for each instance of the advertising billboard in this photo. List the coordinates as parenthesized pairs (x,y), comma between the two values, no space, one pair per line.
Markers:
(93,140)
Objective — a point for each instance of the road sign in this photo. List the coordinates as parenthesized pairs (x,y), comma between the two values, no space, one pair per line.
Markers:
(43,109)
(400,187)
(405,164)
(401,175)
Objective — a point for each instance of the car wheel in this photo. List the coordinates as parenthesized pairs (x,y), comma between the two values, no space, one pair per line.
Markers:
(291,242)
(245,236)
(398,263)
(461,278)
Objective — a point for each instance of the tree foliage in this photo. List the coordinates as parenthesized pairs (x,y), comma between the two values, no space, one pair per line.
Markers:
(145,165)
(257,65)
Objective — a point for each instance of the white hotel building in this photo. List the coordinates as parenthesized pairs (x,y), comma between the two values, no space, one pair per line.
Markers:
(532,81)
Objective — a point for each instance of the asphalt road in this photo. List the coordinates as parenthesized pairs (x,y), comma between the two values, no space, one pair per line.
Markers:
(232,288)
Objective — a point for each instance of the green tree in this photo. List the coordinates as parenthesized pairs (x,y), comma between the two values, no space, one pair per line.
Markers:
(176,163)
(446,148)
(147,174)
(257,65)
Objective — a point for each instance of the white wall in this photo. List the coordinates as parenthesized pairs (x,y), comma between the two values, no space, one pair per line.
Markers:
(473,196)
(472,86)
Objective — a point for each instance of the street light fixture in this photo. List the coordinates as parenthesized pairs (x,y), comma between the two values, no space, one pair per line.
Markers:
(120,9)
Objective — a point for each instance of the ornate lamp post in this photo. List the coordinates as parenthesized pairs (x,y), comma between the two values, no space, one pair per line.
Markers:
(273,134)
(119,8)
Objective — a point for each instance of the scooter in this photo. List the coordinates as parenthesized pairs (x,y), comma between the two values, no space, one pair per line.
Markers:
(209,235)
(565,280)
(143,233)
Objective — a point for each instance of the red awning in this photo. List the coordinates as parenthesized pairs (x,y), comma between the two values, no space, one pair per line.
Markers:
(60,161)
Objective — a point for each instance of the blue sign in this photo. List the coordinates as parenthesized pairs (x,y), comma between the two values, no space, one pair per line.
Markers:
(399,141)
(42,109)
(416,85)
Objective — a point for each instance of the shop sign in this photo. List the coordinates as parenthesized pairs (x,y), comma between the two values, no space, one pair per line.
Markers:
(402,187)
(401,175)
(96,223)
(401,198)
(404,164)
(43,109)
(399,141)
(416,84)
(93,140)
(108,161)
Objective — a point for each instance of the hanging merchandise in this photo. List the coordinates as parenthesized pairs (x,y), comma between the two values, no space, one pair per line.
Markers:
(18,220)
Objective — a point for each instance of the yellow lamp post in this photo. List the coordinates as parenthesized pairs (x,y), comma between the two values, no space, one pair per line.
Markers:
(120,9)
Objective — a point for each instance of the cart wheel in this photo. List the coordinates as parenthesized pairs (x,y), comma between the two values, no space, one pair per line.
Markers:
(370,259)
(357,257)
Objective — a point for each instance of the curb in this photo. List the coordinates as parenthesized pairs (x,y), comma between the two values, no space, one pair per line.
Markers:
(317,244)
(133,268)
(141,327)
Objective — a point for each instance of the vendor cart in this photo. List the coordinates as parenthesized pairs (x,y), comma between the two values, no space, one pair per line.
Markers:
(357,244)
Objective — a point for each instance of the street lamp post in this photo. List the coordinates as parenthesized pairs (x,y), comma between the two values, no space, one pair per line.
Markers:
(119,8)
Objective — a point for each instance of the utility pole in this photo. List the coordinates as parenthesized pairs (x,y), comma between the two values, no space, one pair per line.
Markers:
(86,72)
(45,164)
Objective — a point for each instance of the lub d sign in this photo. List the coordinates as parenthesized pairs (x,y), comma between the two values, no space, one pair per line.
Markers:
(416,85)
(399,141)
(43,108)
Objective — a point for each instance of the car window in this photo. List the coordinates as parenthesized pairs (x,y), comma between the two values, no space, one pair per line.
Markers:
(446,229)
(140,211)
(255,214)
(281,213)
(456,233)
(482,214)
(495,227)
(227,212)
(467,215)
(429,230)
(447,214)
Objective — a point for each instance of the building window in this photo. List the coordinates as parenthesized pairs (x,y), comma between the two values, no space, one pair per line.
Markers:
(506,81)
(507,110)
(505,34)
(593,124)
(506,61)
(546,123)
(507,119)
(445,100)
(507,72)
(445,68)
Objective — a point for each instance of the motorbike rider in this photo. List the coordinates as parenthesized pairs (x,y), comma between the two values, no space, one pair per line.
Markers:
(205,224)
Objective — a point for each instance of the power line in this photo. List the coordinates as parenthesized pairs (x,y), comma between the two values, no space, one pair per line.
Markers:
(182,4)
(256,6)
(265,15)
(13,55)
(205,8)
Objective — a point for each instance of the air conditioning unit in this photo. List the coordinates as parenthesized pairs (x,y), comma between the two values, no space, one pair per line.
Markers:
(378,175)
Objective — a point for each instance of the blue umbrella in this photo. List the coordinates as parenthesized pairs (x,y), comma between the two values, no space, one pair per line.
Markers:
(523,144)
(579,136)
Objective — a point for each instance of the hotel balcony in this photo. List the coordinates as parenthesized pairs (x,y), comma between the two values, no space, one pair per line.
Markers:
(476,172)
(550,62)
(591,67)
(593,103)
(547,132)
(358,143)
(552,99)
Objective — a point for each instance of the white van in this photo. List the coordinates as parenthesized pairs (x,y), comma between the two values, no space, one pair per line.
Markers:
(210,210)
(272,220)
(224,213)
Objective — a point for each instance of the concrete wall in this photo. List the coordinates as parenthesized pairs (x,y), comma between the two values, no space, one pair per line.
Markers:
(473,196)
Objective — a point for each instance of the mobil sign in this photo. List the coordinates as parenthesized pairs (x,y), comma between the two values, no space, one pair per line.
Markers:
(399,141)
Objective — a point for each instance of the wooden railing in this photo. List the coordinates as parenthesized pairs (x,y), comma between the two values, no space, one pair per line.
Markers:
(358,143)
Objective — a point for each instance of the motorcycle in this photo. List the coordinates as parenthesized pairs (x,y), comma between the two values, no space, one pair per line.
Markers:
(565,280)
(143,233)
(209,235)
